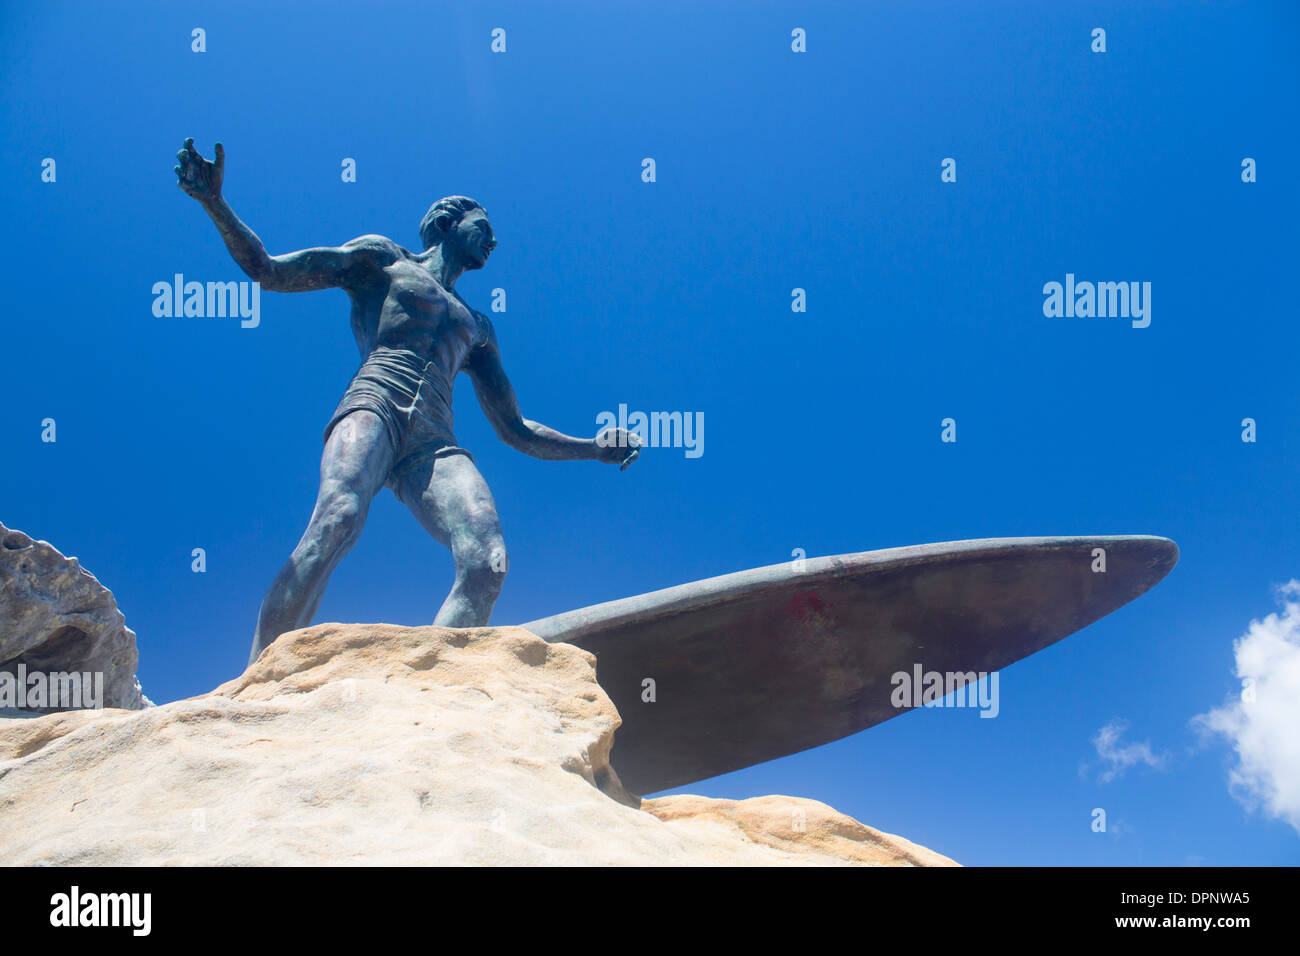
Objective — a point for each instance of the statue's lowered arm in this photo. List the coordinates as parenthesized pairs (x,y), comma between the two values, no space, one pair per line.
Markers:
(497,398)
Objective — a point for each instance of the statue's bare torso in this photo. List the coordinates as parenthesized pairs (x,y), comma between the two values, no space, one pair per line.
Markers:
(401,305)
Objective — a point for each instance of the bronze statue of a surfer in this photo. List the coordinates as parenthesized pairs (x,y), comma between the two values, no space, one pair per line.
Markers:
(394,424)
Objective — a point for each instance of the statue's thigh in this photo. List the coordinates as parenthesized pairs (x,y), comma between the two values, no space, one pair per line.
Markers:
(451,500)
(357,455)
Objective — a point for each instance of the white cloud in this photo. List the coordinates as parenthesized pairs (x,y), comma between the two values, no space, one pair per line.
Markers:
(1265,731)
(1117,758)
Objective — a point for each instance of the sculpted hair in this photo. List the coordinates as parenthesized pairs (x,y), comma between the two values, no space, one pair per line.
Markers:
(444,215)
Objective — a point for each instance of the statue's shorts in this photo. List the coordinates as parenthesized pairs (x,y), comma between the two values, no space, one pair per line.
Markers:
(412,397)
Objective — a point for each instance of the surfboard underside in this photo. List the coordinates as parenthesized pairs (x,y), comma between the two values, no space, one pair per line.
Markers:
(752,666)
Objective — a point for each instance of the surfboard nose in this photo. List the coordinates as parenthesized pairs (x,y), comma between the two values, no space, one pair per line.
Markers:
(1166,554)
(1160,554)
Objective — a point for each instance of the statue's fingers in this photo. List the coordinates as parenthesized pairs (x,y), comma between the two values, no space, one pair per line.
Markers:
(221,155)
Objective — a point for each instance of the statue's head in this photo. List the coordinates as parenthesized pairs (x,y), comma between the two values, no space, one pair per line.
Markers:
(460,225)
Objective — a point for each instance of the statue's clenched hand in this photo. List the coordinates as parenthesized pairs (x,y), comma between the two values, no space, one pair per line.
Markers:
(618,446)
(199,177)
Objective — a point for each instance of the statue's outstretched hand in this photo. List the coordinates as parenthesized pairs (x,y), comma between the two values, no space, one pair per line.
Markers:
(618,446)
(199,177)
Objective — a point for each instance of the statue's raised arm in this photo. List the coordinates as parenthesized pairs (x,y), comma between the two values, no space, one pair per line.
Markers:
(326,267)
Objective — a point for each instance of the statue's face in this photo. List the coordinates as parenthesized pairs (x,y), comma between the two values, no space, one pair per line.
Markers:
(472,239)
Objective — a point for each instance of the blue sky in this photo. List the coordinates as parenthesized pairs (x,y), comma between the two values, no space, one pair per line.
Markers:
(775,170)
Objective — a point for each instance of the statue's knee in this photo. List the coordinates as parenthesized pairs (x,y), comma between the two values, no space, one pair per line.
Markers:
(498,560)
(484,565)
(339,522)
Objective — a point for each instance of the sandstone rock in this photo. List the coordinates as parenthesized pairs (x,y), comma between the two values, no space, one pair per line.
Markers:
(794,825)
(54,616)
(376,744)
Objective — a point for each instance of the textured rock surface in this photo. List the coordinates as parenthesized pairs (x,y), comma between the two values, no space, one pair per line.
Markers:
(794,825)
(385,745)
(54,616)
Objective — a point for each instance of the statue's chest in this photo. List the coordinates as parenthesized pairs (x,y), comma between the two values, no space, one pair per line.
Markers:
(427,303)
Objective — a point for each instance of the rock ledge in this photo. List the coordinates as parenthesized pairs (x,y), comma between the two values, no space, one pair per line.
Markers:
(377,744)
